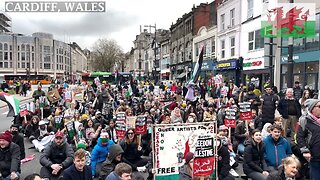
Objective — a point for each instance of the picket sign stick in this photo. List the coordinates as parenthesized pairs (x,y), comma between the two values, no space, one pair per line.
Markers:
(25,119)
(229,135)
(201,178)
(41,109)
(247,126)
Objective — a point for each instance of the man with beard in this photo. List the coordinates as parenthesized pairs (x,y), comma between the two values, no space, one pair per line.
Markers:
(79,170)
(114,157)
(9,157)
(42,137)
(56,157)
(18,139)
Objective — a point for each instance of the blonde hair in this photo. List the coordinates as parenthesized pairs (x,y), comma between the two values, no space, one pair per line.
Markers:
(290,160)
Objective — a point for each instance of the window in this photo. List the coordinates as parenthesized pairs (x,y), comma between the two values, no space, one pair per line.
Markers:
(32,65)
(23,65)
(23,56)
(32,48)
(18,65)
(222,22)
(5,55)
(46,49)
(47,66)
(222,49)
(32,56)
(5,47)
(10,56)
(213,46)
(250,9)
(1,56)
(1,64)
(10,65)
(0,46)
(47,59)
(28,65)
(251,40)
(5,64)
(18,48)
(23,47)
(232,45)
(27,47)
(232,17)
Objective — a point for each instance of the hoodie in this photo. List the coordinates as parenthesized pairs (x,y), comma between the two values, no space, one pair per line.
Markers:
(99,154)
(110,163)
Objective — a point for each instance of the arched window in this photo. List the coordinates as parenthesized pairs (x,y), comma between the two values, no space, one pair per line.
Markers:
(27,47)
(23,47)
(5,47)
(0,46)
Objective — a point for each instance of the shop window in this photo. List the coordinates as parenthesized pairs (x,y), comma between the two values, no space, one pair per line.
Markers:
(312,67)
(312,81)
(299,78)
(298,68)
(284,68)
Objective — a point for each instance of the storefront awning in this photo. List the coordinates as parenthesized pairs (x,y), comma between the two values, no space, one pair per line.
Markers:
(182,75)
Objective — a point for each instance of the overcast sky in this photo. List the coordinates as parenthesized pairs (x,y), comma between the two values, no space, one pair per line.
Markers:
(120,22)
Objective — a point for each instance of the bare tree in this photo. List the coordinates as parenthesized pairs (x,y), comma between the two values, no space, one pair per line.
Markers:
(106,53)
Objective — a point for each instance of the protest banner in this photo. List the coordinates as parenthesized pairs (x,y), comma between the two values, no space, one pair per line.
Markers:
(131,121)
(58,122)
(77,94)
(71,130)
(203,164)
(230,119)
(172,142)
(245,111)
(23,110)
(53,95)
(141,125)
(121,126)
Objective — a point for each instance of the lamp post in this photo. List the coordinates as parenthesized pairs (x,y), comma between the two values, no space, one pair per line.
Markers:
(155,50)
(290,56)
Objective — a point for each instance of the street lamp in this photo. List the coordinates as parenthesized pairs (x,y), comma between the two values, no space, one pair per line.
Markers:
(155,49)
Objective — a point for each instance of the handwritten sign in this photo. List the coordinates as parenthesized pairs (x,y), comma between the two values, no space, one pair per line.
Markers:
(141,125)
(121,125)
(245,111)
(131,121)
(230,118)
(203,164)
(171,142)
(53,95)
(23,110)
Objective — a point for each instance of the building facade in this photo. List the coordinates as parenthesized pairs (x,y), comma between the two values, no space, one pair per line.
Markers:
(165,73)
(5,23)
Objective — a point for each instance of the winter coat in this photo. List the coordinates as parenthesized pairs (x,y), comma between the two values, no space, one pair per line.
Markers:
(256,101)
(18,139)
(279,175)
(183,173)
(297,92)
(283,108)
(223,162)
(269,107)
(110,163)
(113,176)
(254,158)
(10,159)
(71,173)
(308,136)
(99,154)
(131,153)
(240,131)
(276,151)
(54,154)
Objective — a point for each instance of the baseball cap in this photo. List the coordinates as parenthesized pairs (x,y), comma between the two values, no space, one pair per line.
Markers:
(59,134)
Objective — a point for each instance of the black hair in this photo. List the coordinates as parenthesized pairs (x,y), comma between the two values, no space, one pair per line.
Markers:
(32,176)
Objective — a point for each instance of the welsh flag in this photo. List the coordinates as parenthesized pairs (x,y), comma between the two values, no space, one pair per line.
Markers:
(289,20)
(12,102)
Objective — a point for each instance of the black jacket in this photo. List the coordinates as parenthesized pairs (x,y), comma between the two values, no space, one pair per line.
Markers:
(223,162)
(279,175)
(269,107)
(240,131)
(54,154)
(18,139)
(110,163)
(256,101)
(309,136)
(9,159)
(283,108)
(71,173)
(254,158)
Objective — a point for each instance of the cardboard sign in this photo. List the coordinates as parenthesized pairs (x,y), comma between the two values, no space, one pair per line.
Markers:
(131,121)
(67,96)
(245,111)
(23,110)
(77,94)
(70,129)
(230,118)
(230,123)
(121,126)
(141,125)
(53,95)
(246,116)
(58,122)
(203,164)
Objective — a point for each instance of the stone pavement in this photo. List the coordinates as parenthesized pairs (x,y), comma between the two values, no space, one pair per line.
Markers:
(21,98)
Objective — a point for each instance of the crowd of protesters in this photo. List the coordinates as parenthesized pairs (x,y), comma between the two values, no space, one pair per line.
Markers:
(281,142)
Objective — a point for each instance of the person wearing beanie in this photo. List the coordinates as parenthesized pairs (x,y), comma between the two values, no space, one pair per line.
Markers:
(83,145)
(185,172)
(18,139)
(308,136)
(100,152)
(9,157)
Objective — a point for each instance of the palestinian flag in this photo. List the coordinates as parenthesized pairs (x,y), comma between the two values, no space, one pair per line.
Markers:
(197,67)
(288,20)
(13,104)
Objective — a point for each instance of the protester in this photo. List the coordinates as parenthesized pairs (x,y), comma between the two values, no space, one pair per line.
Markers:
(186,171)
(79,170)
(18,139)
(38,93)
(9,157)
(122,171)
(42,137)
(254,165)
(56,157)
(33,176)
(269,103)
(114,158)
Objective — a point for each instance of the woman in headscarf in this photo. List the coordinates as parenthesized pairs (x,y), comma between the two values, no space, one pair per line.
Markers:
(265,130)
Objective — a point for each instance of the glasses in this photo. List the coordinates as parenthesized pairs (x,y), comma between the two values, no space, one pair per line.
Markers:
(130,133)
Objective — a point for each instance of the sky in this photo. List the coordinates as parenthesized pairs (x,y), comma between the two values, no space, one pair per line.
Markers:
(121,21)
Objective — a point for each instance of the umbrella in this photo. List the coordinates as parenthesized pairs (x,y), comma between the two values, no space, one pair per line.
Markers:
(13,104)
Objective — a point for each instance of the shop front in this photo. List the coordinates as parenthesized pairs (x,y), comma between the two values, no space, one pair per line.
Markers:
(255,72)
(305,69)
(230,70)
(181,71)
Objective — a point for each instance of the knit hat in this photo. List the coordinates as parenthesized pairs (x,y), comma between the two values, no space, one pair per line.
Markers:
(6,136)
(81,145)
(188,157)
(104,137)
(310,103)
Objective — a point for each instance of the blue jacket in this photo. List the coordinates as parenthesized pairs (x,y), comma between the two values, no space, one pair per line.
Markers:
(113,176)
(99,154)
(275,152)
(71,173)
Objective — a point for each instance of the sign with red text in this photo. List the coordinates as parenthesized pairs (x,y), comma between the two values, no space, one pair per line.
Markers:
(203,164)
(121,126)
(23,110)
(245,111)
(141,125)
(230,118)
(254,63)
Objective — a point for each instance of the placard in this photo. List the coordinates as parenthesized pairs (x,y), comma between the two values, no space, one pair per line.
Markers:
(172,142)
(53,96)
(141,125)
(77,94)
(23,110)
(245,111)
(230,118)
(121,126)
(131,121)
(58,122)
(203,164)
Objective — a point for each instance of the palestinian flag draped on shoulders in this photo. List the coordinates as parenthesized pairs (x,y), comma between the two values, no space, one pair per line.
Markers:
(288,20)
